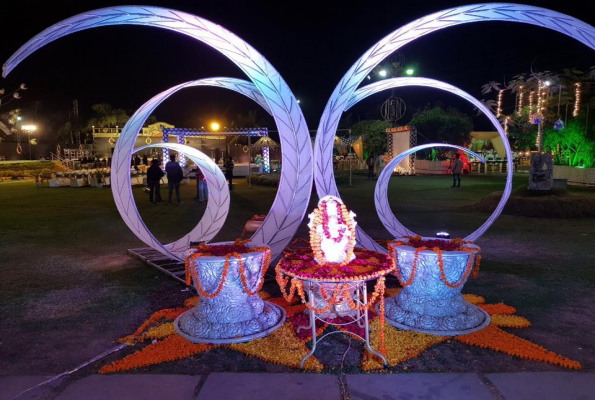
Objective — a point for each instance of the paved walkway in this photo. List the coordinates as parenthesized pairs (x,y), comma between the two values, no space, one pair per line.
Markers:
(257,386)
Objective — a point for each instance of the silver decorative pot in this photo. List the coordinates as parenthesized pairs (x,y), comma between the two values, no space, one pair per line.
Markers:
(233,315)
(428,304)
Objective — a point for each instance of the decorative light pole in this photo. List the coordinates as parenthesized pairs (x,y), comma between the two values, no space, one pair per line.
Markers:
(29,129)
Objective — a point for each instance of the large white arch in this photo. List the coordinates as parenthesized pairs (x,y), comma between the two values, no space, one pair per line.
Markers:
(294,190)
(209,225)
(388,219)
(343,93)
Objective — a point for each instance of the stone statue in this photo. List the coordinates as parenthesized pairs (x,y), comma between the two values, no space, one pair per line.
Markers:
(541,174)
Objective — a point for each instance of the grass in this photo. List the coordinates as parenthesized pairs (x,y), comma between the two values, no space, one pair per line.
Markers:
(69,290)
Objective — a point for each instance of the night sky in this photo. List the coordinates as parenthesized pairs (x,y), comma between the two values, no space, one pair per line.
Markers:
(312,46)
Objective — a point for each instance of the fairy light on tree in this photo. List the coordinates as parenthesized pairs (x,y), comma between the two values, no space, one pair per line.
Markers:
(577,99)
(531,94)
(520,109)
(499,110)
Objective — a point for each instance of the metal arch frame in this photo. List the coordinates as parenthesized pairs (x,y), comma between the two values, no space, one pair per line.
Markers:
(387,217)
(324,174)
(392,83)
(294,191)
(212,220)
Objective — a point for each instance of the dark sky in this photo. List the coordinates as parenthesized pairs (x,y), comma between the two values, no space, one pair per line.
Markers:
(312,45)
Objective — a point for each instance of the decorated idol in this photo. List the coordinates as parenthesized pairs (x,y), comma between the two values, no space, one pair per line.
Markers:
(332,232)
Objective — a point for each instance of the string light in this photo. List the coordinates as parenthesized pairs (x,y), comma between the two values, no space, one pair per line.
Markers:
(577,99)
(531,93)
(520,100)
(539,96)
(499,110)
(506,122)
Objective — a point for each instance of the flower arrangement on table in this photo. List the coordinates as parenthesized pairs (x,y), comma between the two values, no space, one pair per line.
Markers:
(333,263)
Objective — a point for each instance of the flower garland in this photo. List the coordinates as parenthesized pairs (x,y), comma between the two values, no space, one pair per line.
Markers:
(439,246)
(210,250)
(265,265)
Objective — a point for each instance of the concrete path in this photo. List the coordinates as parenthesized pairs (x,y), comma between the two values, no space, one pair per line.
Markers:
(257,386)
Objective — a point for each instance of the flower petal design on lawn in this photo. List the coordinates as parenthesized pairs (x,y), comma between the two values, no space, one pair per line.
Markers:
(495,338)
(499,308)
(286,347)
(510,321)
(474,299)
(400,345)
(280,347)
(172,348)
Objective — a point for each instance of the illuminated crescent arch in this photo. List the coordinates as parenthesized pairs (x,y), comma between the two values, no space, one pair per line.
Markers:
(342,95)
(211,222)
(388,219)
(294,190)
(365,91)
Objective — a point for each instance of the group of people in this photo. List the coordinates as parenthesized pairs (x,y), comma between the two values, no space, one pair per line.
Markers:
(175,174)
(96,161)
(136,161)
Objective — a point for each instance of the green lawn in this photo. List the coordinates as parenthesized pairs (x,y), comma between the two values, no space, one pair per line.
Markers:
(69,290)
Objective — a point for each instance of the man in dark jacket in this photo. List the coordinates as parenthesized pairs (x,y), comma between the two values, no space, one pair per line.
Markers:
(175,174)
(229,171)
(154,175)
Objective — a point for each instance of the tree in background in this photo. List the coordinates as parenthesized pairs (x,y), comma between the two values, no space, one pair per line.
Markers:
(573,146)
(558,98)
(374,132)
(107,116)
(443,126)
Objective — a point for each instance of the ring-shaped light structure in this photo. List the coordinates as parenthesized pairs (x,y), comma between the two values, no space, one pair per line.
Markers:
(120,176)
(393,83)
(342,95)
(387,217)
(211,222)
(294,190)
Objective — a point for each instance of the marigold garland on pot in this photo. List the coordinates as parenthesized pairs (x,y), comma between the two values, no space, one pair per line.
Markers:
(417,242)
(207,251)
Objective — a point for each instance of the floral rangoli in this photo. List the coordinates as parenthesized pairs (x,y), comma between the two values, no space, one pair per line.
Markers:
(160,343)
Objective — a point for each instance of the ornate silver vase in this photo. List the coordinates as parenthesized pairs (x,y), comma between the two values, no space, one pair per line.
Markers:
(233,316)
(429,305)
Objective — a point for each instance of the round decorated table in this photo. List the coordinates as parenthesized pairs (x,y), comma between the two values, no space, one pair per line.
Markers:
(336,295)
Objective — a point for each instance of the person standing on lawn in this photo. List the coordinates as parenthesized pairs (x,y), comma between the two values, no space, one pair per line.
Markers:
(229,171)
(175,174)
(201,186)
(154,175)
(457,169)
(370,163)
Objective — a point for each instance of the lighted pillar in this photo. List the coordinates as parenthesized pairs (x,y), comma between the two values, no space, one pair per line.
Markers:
(266,160)
(165,150)
(181,156)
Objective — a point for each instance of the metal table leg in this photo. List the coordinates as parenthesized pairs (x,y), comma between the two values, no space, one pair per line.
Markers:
(312,324)
(367,329)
